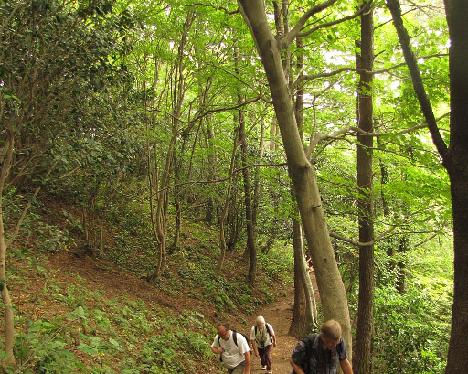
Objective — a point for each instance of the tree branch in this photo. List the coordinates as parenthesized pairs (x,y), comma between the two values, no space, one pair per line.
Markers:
(424,102)
(295,31)
(222,8)
(318,137)
(363,244)
(25,210)
(220,180)
(351,69)
(225,109)
(363,9)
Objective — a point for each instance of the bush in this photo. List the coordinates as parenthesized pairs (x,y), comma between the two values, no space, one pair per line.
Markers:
(411,332)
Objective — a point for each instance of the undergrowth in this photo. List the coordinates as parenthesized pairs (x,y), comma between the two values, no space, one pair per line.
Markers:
(67,324)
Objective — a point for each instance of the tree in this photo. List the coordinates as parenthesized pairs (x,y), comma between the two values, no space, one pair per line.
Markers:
(454,158)
(362,357)
(7,158)
(302,173)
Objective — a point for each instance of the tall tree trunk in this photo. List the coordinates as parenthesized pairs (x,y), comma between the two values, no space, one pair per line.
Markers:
(251,245)
(454,158)
(304,309)
(401,264)
(225,210)
(178,99)
(9,311)
(177,195)
(212,162)
(458,27)
(257,185)
(362,356)
(298,322)
(330,284)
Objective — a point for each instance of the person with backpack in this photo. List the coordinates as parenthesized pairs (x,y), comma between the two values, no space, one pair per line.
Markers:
(320,353)
(262,339)
(233,349)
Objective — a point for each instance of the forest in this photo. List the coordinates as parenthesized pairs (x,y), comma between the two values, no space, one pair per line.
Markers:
(165,164)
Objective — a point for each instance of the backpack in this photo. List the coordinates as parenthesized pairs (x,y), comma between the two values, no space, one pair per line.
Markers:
(311,344)
(234,337)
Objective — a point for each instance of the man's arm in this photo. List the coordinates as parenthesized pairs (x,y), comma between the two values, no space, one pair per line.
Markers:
(273,338)
(215,347)
(346,366)
(297,369)
(254,347)
(247,363)
(217,350)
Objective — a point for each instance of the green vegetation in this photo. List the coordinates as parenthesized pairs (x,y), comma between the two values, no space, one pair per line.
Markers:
(67,324)
(145,191)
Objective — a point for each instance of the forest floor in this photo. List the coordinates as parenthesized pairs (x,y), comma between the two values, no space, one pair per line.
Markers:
(101,275)
(278,314)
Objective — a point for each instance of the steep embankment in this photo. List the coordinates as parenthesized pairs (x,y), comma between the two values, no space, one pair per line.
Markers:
(92,315)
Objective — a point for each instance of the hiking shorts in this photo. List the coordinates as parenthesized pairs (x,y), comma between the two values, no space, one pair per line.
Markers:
(239,369)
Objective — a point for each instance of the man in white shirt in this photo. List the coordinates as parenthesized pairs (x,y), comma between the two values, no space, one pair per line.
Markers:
(233,348)
(262,338)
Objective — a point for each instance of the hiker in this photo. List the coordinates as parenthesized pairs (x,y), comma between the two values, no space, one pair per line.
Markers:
(233,349)
(262,339)
(319,353)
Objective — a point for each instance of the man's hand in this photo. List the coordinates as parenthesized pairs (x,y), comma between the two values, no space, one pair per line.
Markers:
(217,350)
(346,366)
(297,369)
(256,353)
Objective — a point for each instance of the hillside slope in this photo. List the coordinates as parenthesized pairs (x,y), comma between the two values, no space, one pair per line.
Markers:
(82,314)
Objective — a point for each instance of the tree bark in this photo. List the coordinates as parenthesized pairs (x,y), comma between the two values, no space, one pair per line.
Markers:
(304,308)
(225,210)
(211,161)
(303,175)
(9,311)
(362,357)
(251,245)
(454,158)
(458,29)
(298,324)
(304,311)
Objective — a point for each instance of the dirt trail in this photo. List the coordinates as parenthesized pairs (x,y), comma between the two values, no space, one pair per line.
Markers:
(279,315)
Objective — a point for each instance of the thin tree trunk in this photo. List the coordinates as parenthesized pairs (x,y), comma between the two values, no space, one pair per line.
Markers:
(212,162)
(178,99)
(177,196)
(330,284)
(224,212)
(257,185)
(401,264)
(298,324)
(251,245)
(304,310)
(362,357)
(9,311)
